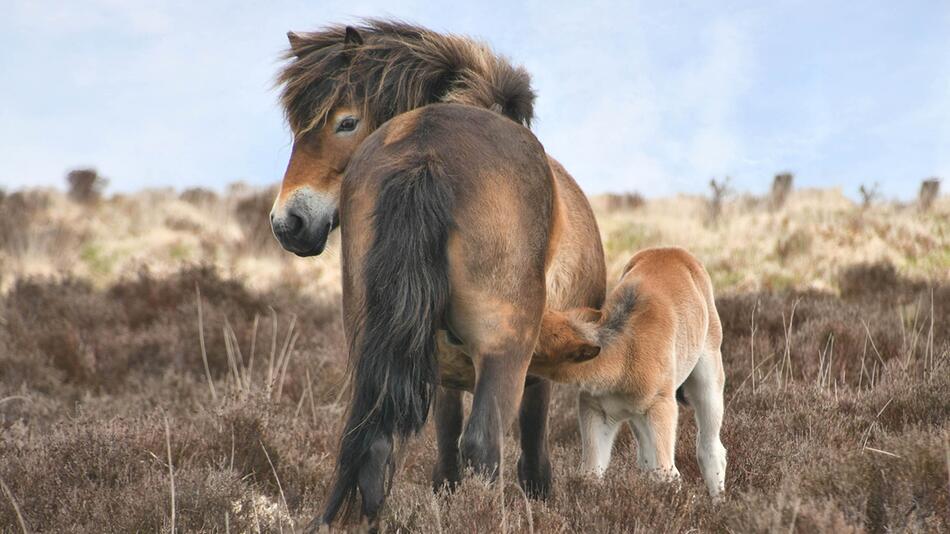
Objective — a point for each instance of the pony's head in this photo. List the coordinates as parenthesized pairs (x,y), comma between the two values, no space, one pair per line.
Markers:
(566,337)
(343,82)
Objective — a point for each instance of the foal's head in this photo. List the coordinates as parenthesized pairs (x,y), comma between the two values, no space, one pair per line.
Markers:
(343,82)
(567,337)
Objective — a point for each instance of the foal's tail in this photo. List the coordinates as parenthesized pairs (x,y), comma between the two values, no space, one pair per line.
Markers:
(406,292)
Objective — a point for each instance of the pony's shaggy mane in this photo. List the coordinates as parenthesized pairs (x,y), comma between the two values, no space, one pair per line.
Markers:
(398,67)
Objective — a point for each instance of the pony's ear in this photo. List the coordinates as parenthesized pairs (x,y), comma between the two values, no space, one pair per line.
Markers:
(296,42)
(585,352)
(352,37)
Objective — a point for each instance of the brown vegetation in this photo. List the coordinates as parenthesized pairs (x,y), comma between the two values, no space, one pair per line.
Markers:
(842,425)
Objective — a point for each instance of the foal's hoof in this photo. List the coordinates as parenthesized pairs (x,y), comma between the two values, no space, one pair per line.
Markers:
(535,480)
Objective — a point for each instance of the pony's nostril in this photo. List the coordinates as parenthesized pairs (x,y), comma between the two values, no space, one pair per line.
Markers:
(294,223)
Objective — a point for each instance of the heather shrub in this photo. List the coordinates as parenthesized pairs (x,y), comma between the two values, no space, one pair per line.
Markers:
(141,324)
(841,427)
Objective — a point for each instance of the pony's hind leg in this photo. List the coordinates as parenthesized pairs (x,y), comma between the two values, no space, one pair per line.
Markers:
(498,393)
(448,427)
(500,337)
(372,477)
(598,431)
(703,389)
(534,465)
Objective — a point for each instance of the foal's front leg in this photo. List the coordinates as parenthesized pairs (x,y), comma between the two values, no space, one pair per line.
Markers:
(598,431)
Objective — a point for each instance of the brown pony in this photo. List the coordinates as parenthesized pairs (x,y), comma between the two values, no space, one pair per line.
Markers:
(340,85)
(418,258)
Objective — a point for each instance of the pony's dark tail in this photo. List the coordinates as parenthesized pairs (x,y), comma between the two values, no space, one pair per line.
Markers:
(406,292)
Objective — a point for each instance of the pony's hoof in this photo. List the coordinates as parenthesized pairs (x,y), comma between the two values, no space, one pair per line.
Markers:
(317,526)
(535,480)
(446,477)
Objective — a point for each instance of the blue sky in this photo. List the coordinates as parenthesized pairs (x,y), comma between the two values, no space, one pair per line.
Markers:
(656,97)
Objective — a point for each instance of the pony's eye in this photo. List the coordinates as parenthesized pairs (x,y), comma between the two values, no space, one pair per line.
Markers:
(347,125)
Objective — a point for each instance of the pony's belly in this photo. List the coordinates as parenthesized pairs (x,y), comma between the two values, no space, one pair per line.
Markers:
(456,369)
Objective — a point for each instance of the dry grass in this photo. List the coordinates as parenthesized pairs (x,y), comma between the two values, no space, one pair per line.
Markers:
(803,246)
(838,384)
(43,233)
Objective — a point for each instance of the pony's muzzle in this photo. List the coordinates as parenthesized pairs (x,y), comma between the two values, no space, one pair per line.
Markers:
(301,229)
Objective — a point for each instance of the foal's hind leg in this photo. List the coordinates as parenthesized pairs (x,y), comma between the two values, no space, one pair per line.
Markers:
(703,389)
(656,437)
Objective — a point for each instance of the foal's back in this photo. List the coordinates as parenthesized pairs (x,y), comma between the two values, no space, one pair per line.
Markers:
(678,313)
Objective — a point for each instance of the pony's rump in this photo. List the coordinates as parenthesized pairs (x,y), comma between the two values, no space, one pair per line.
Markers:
(405,276)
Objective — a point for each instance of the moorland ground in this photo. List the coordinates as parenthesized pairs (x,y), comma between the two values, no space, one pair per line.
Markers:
(159,345)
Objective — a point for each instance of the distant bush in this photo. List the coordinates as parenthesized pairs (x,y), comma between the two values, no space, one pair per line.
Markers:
(17,213)
(868,195)
(929,190)
(253,214)
(720,189)
(781,189)
(198,195)
(85,185)
(623,201)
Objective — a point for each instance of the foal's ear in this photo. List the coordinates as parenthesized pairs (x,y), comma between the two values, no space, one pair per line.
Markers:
(352,37)
(589,315)
(585,352)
